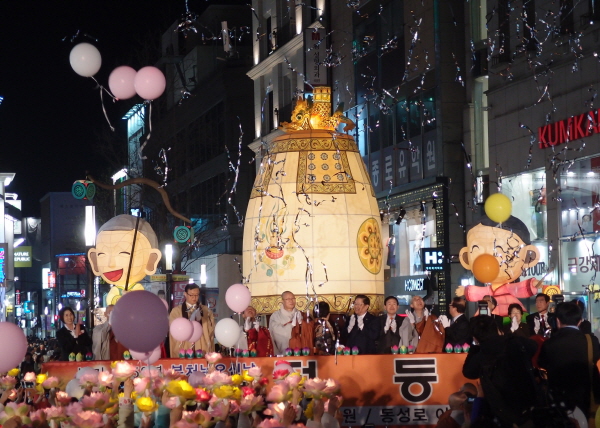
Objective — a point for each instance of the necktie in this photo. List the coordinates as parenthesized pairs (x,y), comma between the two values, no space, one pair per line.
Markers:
(452,321)
(542,322)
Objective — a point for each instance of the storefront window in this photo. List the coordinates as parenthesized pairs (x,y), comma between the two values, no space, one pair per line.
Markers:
(527,192)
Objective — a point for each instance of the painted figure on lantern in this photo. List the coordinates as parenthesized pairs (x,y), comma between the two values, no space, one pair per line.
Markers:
(510,247)
(112,257)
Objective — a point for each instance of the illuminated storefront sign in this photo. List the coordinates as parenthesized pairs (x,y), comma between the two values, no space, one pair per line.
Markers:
(571,129)
(3,252)
(22,257)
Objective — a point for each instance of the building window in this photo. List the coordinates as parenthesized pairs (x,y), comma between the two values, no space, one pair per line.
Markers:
(479,20)
(480,144)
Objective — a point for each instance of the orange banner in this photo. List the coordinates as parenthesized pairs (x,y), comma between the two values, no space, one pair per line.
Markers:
(382,390)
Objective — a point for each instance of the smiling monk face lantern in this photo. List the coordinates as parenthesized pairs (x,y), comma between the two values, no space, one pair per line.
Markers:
(110,259)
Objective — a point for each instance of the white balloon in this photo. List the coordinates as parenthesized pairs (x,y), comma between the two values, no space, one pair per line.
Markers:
(74,389)
(85,59)
(228,332)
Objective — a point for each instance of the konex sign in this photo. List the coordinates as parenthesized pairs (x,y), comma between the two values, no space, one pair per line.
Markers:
(571,129)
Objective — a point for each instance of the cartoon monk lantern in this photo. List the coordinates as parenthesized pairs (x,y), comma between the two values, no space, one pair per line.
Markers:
(497,254)
(111,258)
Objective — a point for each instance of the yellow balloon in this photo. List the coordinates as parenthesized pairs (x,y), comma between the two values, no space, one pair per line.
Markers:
(498,207)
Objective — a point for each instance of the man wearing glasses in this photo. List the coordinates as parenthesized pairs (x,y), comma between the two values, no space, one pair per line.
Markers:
(192,309)
(282,321)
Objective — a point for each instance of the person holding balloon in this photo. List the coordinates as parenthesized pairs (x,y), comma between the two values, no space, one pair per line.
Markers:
(191,309)
(497,251)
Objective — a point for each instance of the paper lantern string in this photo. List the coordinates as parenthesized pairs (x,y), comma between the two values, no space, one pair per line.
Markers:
(142,180)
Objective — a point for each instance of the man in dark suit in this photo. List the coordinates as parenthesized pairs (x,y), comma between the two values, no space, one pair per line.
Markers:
(458,331)
(362,327)
(492,303)
(388,326)
(538,321)
(565,357)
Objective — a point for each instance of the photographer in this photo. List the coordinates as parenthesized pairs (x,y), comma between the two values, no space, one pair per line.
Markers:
(502,364)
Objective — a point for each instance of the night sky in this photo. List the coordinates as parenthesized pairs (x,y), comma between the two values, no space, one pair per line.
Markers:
(51,117)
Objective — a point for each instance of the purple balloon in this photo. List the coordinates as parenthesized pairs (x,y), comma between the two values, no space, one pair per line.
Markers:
(198,331)
(238,297)
(181,329)
(140,321)
(120,82)
(13,346)
(147,357)
(149,83)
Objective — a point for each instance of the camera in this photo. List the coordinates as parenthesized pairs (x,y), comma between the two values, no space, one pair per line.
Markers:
(483,307)
(556,299)
(27,384)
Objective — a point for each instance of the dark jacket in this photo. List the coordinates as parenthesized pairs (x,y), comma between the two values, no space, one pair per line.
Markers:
(363,339)
(69,344)
(459,332)
(531,322)
(385,340)
(565,357)
(522,331)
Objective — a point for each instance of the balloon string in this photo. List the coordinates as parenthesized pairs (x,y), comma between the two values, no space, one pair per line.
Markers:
(112,128)
(137,223)
(149,130)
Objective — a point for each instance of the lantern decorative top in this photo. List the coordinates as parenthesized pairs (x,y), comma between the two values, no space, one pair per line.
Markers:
(314,112)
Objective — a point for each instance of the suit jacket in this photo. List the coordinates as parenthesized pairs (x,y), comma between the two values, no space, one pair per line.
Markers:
(459,332)
(386,340)
(531,322)
(206,342)
(522,331)
(565,357)
(363,339)
(68,344)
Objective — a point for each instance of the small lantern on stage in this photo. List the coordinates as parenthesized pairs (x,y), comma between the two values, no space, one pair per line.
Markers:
(83,189)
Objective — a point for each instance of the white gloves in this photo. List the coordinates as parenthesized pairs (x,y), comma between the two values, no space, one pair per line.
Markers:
(410,316)
(514,324)
(247,324)
(536,325)
(425,313)
(444,320)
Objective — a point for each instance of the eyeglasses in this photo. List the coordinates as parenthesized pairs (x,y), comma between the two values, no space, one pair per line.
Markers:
(193,295)
(290,298)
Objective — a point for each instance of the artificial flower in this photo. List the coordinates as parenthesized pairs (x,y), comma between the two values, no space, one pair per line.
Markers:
(270,423)
(202,395)
(87,419)
(51,382)
(63,398)
(246,390)
(251,403)
(123,370)
(313,388)
(140,384)
(263,381)
(196,379)
(280,374)
(171,374)
(308,412)
(185,424)
(198,417)
(276,410)
(12,410)
(41,378)
(150,372)
(217,378)
(38,417)
(8,382)
(29,377)
(224,391)
(219,409)
(332,387)
(105,379)
(254,372)
(99,401)
(246,377)
(55,413)
(181,388)
(14,372)
(74,408)
(172,402)
(279,393)
(213,357)
(237,379)
(293,379)
(146,404)
(88,379)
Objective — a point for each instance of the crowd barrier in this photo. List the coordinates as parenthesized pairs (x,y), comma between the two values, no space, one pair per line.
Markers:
(378,390)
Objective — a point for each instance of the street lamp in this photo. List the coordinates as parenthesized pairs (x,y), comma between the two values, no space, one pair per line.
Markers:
(168,271)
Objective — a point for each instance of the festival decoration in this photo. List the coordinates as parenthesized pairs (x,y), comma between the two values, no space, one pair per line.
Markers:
(147,357)
(13,348)
(498,207)
(182,234)
(486,268)
(85,59)
(227,332)
(237,297)
(83,189)
(149,83)
(120,260)
(313,219)
(181,329)
(140,321)
(120,82)
(197,333)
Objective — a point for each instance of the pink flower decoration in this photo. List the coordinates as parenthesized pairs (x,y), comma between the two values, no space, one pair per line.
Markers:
(123,370)
(279,393)
(87,419)
(202,395)
(280,374)
(270,423)
(63,398)
(104,379)
(38,416)
(74,408)
(314,387)
(95,401)
(217,378)
(213,357)
(29,377)
(255,372)
(293,379)
(150,372)
(171,374)
(57,413)
(89,378)
(185,424)
(219,409)
(51,382)
(234,407)
(172,402)
(140,384)
(251,403)
(196,379)
(8,382)
(332,387)
(158,386)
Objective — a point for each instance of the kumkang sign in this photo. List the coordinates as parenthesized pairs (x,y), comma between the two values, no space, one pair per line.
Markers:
(571,129)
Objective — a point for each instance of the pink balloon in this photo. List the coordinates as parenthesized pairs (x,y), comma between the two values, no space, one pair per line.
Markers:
(149,83)
(147,357)
(120,82)
(140,321)
(198,331)
(181,329)
(237,297)
(13,346)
